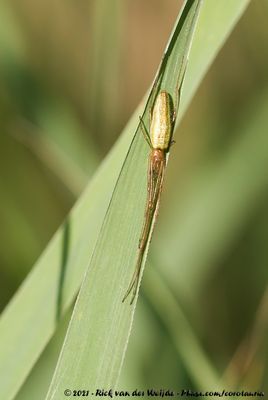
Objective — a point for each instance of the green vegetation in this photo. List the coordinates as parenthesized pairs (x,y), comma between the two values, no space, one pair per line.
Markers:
(200,321)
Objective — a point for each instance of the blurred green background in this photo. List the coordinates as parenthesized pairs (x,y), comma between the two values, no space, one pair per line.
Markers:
(71,74)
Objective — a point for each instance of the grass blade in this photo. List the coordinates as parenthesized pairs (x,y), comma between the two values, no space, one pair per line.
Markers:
(100,326)
(85,220)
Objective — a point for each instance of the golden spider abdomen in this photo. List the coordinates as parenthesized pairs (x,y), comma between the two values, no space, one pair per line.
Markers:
(162,121)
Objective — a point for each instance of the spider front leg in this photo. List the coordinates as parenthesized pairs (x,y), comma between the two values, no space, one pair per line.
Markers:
(178,92)
(145,133)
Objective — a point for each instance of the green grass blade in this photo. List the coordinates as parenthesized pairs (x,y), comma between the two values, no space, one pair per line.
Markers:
(98,334)
(19,346)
